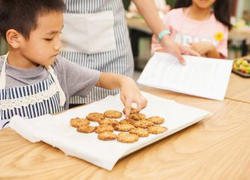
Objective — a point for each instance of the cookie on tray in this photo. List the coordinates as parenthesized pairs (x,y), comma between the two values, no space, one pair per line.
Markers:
(132,111)
(112,114)
(76,122)
(140,132)
(127,121)
(104,128)
(137,116)
(156,119)
(127,138)
(108,121)
(143,124)
(124,127)
(86,129)
(95,116)
(107,136)
(157,129)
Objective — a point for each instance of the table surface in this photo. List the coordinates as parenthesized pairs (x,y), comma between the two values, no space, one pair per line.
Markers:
(215,148)
(238,88)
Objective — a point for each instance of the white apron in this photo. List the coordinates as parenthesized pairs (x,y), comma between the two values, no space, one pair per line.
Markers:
(44,97)
(95,35)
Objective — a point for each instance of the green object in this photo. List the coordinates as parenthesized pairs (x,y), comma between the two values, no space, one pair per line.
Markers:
(162,34)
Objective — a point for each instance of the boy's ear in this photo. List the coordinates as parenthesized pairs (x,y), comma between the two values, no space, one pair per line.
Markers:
(14,38)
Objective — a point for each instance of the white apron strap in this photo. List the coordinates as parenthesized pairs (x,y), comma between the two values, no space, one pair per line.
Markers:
(3,73)
(61,93)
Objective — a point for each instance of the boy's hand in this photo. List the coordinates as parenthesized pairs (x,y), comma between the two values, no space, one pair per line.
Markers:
(130,94)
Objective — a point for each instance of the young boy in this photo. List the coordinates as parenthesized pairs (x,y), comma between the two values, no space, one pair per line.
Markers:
(34,80)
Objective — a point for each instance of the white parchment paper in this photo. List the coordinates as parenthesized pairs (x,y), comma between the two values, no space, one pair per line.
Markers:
(56,130)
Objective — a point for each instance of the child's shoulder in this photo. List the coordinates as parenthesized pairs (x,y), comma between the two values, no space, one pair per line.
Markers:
(217,24)
(176,12)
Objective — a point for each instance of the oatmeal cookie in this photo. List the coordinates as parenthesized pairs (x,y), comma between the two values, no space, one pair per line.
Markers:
(95,116)
(112,114)
(137,116)
(156,119)
(76,122)
(127,138)
(140,132)
(157,129)
(124,127)
(106,136)
(108,121)
(127,121)
(132,111)
(143,124)
(86,129)
(104,128)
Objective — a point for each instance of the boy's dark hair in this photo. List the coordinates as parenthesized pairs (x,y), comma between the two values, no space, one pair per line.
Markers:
(221,10)
(22,15)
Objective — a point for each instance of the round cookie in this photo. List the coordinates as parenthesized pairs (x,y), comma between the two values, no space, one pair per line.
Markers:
(104,128)
(143,124)
(124,121)
(137,116)
(124,127)
(132,111)
(156,119)
(157,129)
(127,138)
(112,114)
(76,122)
(108,121)
(127,121)
(106,136)
(95,116)
(140,132)
(86,129)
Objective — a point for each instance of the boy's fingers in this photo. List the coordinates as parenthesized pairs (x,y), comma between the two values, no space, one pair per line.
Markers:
(141,103)
(127,104)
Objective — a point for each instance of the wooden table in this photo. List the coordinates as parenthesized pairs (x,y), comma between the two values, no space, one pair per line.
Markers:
(216,148)
(238,89)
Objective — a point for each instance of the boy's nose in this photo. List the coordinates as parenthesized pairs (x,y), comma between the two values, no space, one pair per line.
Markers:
(58,45)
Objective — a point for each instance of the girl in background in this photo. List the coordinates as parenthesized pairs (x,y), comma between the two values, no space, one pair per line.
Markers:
(201,24)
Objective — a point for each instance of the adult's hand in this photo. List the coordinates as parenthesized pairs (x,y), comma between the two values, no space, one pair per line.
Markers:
(176,49)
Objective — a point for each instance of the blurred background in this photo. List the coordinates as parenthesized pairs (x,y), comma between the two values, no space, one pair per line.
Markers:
(140,34)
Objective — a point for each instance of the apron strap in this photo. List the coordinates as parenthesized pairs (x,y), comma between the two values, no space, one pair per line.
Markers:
(3,73)
(61,93)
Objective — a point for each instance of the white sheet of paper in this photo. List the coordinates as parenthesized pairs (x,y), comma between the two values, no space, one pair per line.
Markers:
(56,130)
(204,77)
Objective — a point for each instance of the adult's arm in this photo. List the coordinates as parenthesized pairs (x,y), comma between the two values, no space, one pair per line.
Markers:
(148,10)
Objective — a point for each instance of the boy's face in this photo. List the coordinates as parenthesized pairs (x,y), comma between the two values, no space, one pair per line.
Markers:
(204,4)
(44,42)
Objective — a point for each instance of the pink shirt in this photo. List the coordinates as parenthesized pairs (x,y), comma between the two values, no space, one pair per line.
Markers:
(186,30)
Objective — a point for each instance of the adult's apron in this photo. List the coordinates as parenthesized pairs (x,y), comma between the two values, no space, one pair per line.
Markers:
(44,97)
(95,35)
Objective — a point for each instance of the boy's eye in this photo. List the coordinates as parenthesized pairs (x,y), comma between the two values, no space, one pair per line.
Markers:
(48,39)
